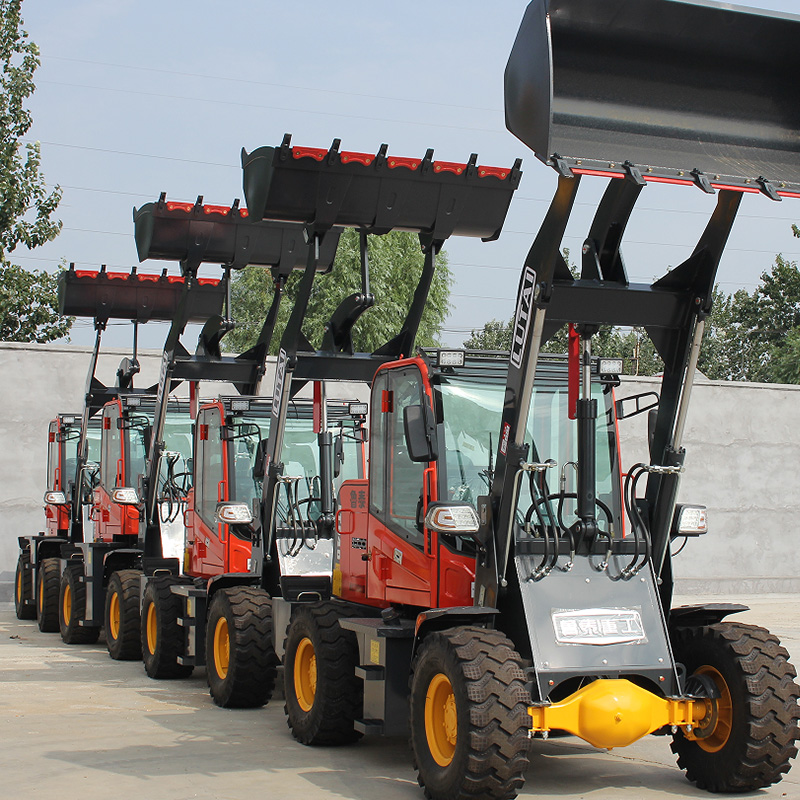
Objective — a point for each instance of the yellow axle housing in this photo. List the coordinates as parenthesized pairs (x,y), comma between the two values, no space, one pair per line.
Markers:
(615,712)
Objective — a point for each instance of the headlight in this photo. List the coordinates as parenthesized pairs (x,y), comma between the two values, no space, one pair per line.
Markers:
(125,496)
(690,520)
(452,518)
(234,513)
(55,498)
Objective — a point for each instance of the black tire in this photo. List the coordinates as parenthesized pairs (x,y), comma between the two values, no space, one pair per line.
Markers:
(470,739)
(162,637)
(755,726)
(23,597)
(241,664)
(72,607)
(122,617)
(47,600)
(321,711)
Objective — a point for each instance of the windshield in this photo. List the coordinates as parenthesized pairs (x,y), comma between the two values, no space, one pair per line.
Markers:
(176,469)
(177,438)
(472,417)
(300,457)
(93,441)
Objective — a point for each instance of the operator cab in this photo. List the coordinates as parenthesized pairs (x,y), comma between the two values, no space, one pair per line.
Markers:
(230,437)
(63,440)
(387,553)
(125,437)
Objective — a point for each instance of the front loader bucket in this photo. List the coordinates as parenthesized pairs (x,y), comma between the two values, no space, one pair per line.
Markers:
(174,231)
(132,296)
(378,193)
(668,86)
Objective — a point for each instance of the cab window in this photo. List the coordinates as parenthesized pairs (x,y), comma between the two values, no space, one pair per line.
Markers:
(110,447)
(209,462)
(396,481)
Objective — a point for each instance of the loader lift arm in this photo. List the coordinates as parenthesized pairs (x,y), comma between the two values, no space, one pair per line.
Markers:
(672,310)
(193,234)
(374,194)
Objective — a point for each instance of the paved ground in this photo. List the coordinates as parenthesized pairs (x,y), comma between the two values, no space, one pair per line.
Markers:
(74,724)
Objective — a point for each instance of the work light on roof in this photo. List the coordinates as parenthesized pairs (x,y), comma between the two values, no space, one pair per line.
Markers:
(451,358)
(357,409)
(609,366)
(240,405)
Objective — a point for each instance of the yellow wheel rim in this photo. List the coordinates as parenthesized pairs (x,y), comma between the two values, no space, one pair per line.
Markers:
(222,647)
(41,593)
(66,611)
(722,730)
(113,616)
(152,628)
(441,719)
(305,674)
(19,588)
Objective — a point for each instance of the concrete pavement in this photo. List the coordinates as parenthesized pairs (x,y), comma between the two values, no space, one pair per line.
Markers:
(75,724)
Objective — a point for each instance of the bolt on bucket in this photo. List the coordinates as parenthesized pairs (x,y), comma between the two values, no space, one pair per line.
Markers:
(670,87)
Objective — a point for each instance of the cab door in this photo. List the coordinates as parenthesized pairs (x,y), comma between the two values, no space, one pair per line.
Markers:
(210,488)
(400,561)
(106,514)
(52,512)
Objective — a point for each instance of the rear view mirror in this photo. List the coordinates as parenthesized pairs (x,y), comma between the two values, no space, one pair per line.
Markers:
(627,407)
(652,419)
(420,433)
(260,461)
(338,456)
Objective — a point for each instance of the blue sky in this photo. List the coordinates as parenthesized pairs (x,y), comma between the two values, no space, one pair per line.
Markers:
(136,98)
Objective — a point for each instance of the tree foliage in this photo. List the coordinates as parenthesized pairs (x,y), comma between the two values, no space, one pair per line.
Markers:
(26,206)
(29,306)
(395,264)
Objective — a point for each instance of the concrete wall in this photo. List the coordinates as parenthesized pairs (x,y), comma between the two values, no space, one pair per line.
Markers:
(743,462)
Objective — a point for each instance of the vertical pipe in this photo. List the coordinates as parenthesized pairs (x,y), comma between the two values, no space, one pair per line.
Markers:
(691,369)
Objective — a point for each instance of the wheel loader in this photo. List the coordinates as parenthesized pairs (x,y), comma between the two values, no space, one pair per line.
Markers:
(92,570)
(100,295)
(190,620)
(229,441)
(147,442)
(36,595)
(477,618)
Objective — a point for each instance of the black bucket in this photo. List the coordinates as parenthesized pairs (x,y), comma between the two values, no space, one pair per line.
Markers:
(223,235)
(667,86)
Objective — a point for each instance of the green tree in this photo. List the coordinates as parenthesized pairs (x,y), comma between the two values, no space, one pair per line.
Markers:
(395,262)
(29,306)
(27,302)
(494,335)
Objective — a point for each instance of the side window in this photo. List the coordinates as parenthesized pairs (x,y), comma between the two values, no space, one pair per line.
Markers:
(136,435)
(396,495)
(52,455)
(110,449)
(377,445)
(209,463)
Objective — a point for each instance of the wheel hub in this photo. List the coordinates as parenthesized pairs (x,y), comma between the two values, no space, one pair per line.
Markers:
(714,730)
(441,719)
(152,628)
(114,616)
(67,605)
(305,674)
(222,647)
